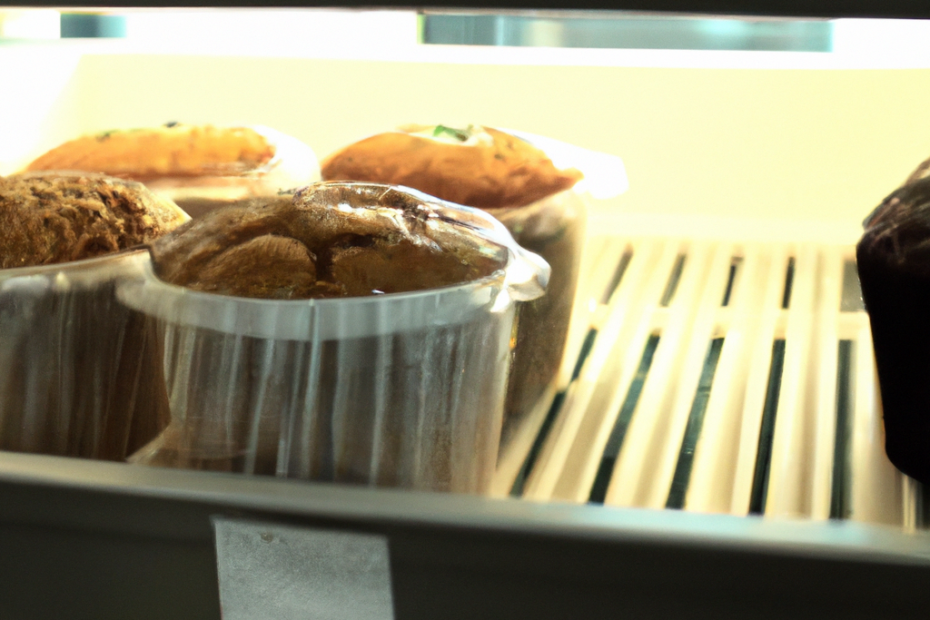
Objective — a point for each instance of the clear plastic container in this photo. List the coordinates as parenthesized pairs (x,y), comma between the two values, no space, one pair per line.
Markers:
(293,165)
(80,374)
(403,389)
(554,228)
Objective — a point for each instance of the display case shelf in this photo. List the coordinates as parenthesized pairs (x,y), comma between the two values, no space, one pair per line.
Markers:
(84,539)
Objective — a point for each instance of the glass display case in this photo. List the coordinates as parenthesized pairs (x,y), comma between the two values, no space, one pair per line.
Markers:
(712,443)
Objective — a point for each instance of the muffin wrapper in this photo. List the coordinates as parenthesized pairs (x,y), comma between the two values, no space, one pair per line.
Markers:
(401,390)
(294,165)
(80,374)
(553,228)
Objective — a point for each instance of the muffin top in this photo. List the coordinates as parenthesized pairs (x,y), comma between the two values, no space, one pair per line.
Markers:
(476,166)
(898,230)
(170,150)
(49,218)
(327,240)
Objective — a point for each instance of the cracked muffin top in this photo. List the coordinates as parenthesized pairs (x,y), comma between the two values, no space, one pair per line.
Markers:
(327,240)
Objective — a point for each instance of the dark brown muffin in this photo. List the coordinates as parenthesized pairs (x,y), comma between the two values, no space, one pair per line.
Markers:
(50,218)
(894,269)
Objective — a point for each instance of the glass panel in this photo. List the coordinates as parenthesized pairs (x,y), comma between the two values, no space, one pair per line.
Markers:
(620,30)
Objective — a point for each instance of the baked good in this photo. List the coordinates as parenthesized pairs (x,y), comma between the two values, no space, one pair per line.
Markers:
(295,247)
(50,218)
(197,166)
(893,259)
(80,374)
(477,166)
(518,184)
(392,373)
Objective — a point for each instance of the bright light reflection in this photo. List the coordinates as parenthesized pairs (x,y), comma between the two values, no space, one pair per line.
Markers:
(30,24)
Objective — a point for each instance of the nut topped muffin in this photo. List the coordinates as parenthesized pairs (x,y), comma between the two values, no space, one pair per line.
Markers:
(475,166)
(50,218)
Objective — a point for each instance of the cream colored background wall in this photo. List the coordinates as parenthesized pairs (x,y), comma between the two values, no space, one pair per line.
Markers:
(38,100)
(794,150)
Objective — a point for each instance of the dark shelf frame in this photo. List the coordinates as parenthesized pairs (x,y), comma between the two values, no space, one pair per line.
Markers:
(82,539)
(912,9)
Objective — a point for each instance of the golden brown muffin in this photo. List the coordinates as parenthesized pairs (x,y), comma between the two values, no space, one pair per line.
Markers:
(328,240)
(49,218)
(198,167)
(170,150)
(477,166)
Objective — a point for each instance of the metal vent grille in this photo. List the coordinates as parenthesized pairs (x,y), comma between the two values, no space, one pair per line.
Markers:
(717,377)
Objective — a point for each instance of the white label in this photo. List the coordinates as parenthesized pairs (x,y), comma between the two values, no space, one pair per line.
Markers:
(289,573)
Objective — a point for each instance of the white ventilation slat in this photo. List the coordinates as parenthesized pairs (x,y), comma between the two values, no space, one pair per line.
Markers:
(513,453)
(610,367)
(826,352)
(757,381)
(769,438)
(741,376)
(912,500)
(601,257)
(587,299)
(643,474)
(703,323)
(876,494)
(613,368)
(789,487)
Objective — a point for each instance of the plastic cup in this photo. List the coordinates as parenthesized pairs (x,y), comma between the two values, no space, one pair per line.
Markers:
(80,374)
(403,389)
(554,228)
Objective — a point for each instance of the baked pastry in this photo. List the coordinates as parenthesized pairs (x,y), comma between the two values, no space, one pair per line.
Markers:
(893,259)
(197,166)
(80,375)
(518,184)
(476,166)
(293,247)
(50,218)
(392,373)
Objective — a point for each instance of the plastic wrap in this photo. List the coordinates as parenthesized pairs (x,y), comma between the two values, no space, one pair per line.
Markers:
(185,168)
(403,389)
(80,374)
(552,226)
(293,165)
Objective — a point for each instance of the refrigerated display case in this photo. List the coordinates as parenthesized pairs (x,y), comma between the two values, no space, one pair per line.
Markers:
(713,444)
